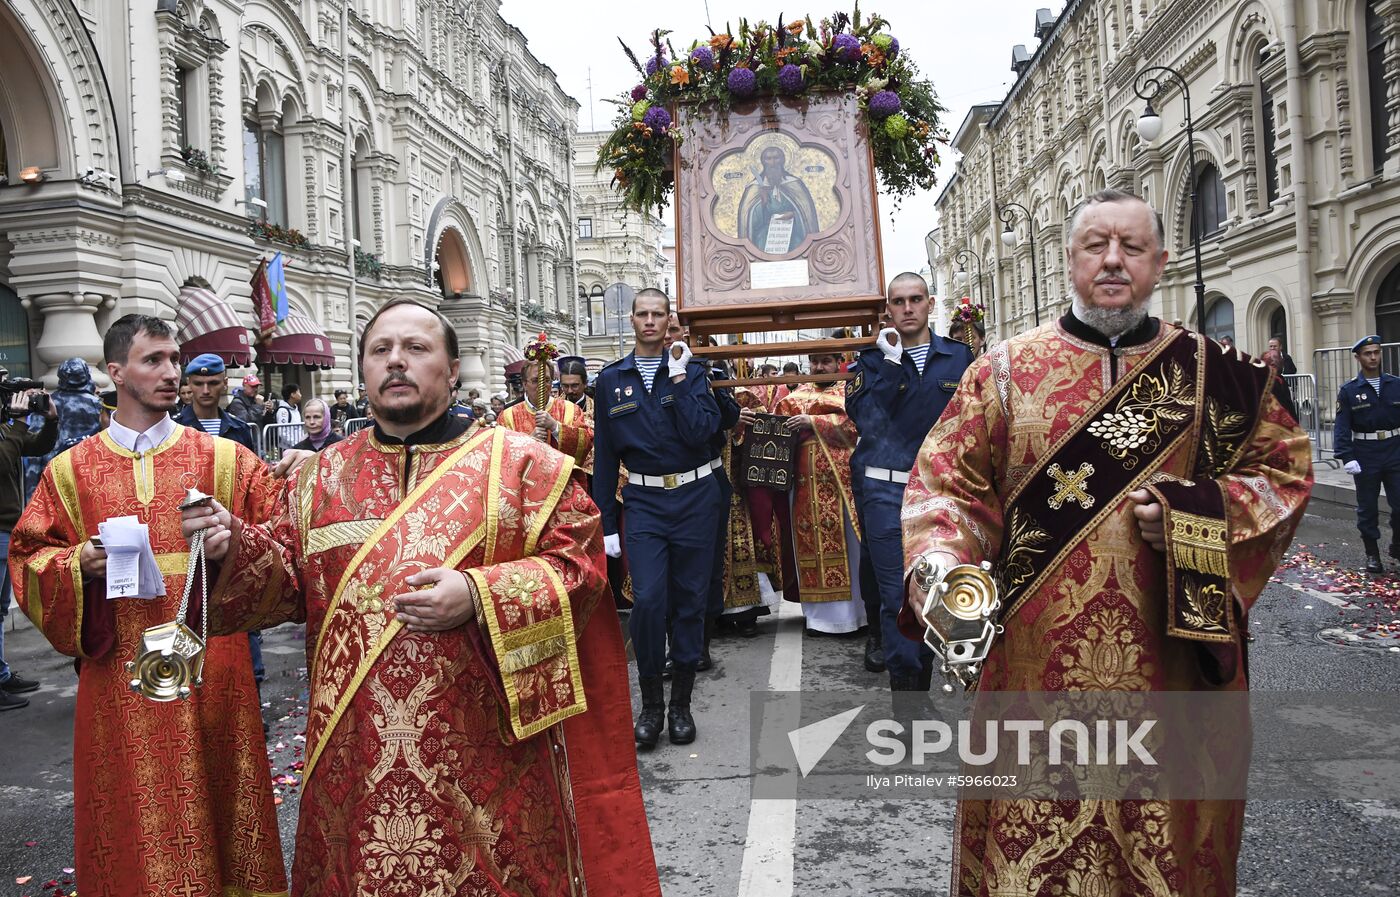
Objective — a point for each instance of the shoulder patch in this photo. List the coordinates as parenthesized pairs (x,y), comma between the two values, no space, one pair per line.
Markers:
(856,383)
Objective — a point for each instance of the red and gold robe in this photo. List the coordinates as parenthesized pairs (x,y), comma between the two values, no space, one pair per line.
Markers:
(754,533)
(822,502)
(1096,615)
(460,762)
(575,437)
(168,797)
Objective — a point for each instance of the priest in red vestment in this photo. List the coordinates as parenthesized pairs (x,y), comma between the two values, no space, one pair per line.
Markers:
(561,424)
(824,532)
(169,798)
(1133,486)
(467,697)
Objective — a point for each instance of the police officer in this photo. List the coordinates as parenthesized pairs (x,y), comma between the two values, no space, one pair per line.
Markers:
(898,389)
(1366,437)
(654,412)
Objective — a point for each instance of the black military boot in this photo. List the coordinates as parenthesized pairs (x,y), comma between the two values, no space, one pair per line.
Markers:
(1395,546)
(705,661)
(874,648)
(1373,557)
(680,725)
(647,731)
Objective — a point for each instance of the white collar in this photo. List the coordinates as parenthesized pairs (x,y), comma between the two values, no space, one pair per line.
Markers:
(136,442)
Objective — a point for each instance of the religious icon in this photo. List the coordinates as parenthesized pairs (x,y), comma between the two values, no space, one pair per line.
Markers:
(788,193)
(775,206)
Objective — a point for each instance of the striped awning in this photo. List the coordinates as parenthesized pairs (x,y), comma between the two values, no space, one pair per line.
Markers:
(298,340)
(206,323)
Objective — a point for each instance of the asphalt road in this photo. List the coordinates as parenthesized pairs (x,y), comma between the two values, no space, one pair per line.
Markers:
(711,840)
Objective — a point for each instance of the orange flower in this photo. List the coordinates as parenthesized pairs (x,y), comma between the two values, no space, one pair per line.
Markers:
(873,55)
(785,52)
(796,26)
(720,42)
(679,75)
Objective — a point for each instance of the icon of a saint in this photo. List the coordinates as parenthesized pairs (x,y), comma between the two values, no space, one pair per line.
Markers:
(776,211)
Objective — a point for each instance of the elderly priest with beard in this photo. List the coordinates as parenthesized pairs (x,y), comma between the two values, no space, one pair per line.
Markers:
(1134,486)
(466,695)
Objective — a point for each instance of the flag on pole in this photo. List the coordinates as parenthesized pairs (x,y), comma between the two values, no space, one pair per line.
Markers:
(262,302)
(277,285)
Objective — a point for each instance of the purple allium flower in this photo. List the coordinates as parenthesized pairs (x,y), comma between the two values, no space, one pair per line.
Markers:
(884,104)
(846,48)
(790,78)
(893,51)
(704,58)
(656,63)
(639,92)
(742,82)
(657,118)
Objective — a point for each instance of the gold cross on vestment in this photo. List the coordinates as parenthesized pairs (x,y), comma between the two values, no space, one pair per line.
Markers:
(1071,486)
(369,599)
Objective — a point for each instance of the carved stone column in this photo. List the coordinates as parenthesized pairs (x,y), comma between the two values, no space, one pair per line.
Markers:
(1389,13)
(70,331)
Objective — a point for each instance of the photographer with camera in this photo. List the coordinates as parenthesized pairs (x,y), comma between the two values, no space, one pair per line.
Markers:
(20,398)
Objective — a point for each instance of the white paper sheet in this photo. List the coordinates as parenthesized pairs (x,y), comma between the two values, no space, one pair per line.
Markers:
(132,571)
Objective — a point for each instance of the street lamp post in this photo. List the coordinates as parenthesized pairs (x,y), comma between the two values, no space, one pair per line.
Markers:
(961,257)
(1008,238)
(1148,86)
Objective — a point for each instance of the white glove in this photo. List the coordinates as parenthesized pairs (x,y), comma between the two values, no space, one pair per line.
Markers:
(676,366)
(612,546)
(1352,467)
(893,351)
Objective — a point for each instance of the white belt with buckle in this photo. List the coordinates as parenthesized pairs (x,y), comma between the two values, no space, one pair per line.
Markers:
(889,476)
(1379,434)
(671,480)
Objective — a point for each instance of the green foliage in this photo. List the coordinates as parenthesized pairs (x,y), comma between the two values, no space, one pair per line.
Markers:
(840,54)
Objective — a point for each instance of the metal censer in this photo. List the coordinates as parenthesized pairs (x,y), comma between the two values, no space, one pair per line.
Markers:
(171,658)
(960,616)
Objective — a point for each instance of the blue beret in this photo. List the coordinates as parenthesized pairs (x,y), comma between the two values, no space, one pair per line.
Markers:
(1371,340)
(208,363)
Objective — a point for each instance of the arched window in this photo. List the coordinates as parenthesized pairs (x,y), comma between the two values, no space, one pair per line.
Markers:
(1208,215)
(1375,79)
(265,165)
(1278,327)
(1388,307)
(597,312)
(1266,122)
(1220,319)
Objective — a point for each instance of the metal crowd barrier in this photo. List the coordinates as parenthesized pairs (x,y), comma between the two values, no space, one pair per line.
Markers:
(356,424)
(1333,367)
(1303,389)
(277,437)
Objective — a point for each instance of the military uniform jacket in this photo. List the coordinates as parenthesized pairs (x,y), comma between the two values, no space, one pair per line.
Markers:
(666,430)
(1360,410)
(894,406)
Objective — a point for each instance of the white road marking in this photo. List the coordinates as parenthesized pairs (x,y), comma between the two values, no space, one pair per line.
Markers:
(1336,600)
(772,835)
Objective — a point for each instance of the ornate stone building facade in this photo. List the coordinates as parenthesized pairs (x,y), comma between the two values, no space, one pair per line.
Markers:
(1296,108)
(147,149)
(615,245)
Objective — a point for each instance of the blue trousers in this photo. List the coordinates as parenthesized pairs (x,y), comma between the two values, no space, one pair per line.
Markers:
(878,504)
(670,542)
(1380,466)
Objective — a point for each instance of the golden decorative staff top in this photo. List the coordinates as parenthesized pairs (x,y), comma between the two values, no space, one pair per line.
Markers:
(541,352)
